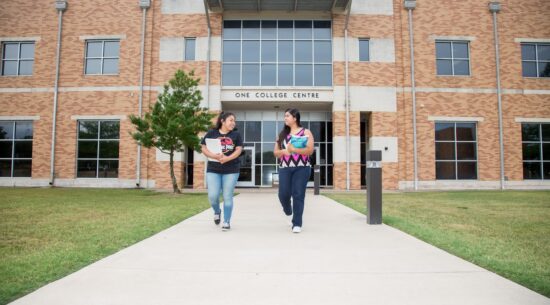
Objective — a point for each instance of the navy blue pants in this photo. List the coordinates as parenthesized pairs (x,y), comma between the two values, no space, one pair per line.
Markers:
(292,184)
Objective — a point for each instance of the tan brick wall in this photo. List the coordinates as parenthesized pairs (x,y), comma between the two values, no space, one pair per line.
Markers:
(339,123)
(518,19)
(198,175)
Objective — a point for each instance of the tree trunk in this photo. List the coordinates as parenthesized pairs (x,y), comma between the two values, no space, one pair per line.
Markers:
(172,175)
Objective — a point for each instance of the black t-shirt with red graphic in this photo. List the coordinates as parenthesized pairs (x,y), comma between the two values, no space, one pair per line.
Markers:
(230,142)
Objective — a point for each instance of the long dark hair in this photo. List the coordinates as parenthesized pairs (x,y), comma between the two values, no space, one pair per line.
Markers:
(221,118)
(286,129)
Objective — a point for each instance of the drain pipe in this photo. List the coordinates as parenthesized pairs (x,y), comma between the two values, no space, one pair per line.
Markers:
(347,99)
(208,56)
(60,6)
(494,8)
(410,5)
(144,4)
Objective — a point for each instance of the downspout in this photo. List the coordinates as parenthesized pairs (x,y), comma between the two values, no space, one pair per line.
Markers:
(410,5)
(144,4)
(207,93)
(61,6)
(494,8)
(347,98)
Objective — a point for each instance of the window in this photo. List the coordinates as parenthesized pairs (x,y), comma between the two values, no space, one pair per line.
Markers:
(15,148)
(453,58)
(455,151)
(535,140)
(277,53)
(189,49)
(17,58)
(102,57)
(535,59)
(98,149)
(364,49)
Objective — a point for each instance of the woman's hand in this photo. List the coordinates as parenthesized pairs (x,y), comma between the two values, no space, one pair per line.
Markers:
(286,152)
(223,158)
(290,148)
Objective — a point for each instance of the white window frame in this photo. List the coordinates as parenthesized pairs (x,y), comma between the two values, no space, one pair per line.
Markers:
(452,58)
(19,59)
(13,140)
(103,57)
(455,141)
(98,140)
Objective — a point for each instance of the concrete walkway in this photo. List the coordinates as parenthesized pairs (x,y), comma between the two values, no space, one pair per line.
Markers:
(337,259)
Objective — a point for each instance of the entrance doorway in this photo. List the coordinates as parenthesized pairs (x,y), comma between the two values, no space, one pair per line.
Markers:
(248,167)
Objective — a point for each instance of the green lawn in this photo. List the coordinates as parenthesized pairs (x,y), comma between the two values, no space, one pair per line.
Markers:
(46,234)
(506,232)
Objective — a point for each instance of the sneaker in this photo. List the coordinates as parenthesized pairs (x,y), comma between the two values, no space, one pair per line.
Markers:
(296,229)
(226,226)
(289,221)
(217,219)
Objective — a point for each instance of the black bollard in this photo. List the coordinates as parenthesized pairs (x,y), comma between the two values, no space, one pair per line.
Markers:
(374,187)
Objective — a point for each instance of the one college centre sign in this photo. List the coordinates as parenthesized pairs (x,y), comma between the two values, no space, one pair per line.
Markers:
(289,95)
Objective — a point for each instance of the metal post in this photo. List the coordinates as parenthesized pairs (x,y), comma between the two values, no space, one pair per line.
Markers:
(316,179)
(374,187)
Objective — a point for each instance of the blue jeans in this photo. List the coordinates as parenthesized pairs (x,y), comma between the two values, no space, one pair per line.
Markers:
(224,183)
(293,183)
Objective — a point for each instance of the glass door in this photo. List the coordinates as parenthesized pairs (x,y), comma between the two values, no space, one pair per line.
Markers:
(248,166)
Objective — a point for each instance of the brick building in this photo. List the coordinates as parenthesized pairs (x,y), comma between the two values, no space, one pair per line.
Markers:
(452,123)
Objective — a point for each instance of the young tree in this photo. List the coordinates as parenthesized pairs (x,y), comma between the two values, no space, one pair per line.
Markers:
(175,120)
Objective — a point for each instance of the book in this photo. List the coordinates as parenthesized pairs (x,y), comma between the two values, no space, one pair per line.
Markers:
(214,146)
(298,141)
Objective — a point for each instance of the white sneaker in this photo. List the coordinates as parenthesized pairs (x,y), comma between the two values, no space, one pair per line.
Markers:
(289,221)
(226,226)
(296,229)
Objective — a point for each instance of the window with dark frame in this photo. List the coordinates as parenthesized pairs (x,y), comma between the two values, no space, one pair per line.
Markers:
(17,58)
(102,57)
(452,58)
(535,59)
(16,139)
(535,142)
(190,43)
(455,151)
(277,53)
(98,149)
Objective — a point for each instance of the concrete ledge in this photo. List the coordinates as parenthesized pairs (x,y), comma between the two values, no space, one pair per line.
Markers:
(26,182)
(475,185)
(103,183)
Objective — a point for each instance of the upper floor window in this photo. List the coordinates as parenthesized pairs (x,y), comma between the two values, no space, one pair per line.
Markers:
(535,59)
(17,58)
(98,149)
(277,53)
(452,57)
(535,139)
(364,49)
(102,56)
(455,151)
(15,148)
(190,49)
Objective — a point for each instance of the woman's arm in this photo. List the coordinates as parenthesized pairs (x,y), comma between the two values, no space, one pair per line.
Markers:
(234,155)
(278,152)
(308,150)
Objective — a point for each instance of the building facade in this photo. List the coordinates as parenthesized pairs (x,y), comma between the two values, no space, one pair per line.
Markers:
(452,114)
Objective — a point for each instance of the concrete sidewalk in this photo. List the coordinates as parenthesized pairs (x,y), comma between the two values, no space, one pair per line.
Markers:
(337,259)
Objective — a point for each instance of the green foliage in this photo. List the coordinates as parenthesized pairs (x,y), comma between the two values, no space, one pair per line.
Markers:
(176,119)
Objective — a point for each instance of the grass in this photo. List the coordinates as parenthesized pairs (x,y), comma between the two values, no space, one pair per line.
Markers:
(506,232)
(46,234)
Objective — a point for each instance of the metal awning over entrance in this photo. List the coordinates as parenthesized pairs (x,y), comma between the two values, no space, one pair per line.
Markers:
(278,5)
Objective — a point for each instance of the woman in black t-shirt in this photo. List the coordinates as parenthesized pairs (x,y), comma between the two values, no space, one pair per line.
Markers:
(222,171)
